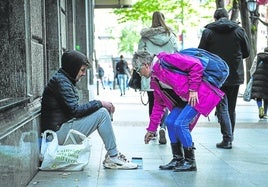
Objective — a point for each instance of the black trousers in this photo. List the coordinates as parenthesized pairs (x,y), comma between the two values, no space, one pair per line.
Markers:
(151,105)
(229,104)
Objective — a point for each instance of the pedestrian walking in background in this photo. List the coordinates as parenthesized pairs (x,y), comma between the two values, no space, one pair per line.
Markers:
(110,77)
(259,90)
(128,72)
(101,75)
(61,111)
(185,96)
(155,39)
(122,73)
(228,40)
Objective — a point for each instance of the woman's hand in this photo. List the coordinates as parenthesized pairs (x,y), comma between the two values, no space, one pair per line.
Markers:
(193,98)
(148,136)
(109,106)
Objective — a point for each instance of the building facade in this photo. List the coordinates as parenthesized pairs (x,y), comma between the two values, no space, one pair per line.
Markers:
(34,34)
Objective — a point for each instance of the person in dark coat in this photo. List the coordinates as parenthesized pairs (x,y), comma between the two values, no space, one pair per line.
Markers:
(101,75)
(122,74)
(259,90)
(228,40)
(61,110)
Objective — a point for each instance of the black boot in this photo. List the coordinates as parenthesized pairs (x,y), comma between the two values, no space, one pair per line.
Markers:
(178,157)
(224,145)
(189,161)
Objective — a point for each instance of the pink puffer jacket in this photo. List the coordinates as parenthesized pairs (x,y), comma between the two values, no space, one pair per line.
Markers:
(209,96)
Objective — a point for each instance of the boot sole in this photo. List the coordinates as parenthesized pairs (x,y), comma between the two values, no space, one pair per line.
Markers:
(172,168)
(220,147)
(190,169)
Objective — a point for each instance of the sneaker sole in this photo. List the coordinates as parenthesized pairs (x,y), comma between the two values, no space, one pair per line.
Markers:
(115,166)
(162,137)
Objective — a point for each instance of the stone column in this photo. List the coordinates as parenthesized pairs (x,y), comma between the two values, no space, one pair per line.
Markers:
(12,50)
(54,44)
(90,45)
(81,39)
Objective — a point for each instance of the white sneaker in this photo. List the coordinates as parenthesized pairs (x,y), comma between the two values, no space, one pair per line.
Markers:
(118,162)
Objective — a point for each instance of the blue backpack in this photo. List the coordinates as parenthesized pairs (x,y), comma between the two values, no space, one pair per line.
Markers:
(216,69)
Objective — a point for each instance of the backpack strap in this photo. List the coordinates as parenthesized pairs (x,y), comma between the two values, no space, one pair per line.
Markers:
(171,68)
(172,96)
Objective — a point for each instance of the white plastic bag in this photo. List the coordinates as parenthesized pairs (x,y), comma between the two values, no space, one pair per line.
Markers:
(247,93)
(72,156)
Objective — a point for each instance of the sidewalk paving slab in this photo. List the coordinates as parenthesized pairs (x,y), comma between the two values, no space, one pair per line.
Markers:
(245,165)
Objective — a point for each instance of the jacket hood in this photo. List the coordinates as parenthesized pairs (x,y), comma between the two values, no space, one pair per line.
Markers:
(157,36)
(263,56)
(71,62)
(222,25)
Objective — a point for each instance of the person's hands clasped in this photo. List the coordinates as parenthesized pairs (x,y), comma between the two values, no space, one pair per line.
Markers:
(193,98)
(148,136)
(109,106)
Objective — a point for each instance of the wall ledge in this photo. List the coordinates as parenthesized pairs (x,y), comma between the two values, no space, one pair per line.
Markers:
(15,112)
(8,103)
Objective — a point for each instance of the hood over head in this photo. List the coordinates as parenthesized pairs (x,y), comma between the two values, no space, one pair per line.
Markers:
(157,35)
(72,61)
(222,25)
(220,13)
(263,56)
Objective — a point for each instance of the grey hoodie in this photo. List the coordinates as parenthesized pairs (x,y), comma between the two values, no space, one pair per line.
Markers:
(156,40)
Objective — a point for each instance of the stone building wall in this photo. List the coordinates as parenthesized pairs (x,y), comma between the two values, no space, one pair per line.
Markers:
(33,35)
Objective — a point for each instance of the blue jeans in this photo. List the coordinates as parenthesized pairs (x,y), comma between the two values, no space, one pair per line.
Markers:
(122,80)
(262,103)
(178,122)
(100,121)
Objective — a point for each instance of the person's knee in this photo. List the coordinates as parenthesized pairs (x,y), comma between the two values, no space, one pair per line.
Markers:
(182,125)
(99,114)
(222,109)
(168,121)
(103,111)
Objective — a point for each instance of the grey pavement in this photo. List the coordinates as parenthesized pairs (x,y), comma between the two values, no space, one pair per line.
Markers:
(245,165)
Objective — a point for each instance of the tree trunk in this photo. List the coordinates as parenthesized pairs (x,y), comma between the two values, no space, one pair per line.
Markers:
(220,4)
(250,25)
(235,11)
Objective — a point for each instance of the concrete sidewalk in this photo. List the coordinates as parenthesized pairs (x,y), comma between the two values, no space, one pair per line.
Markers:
(244,165)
